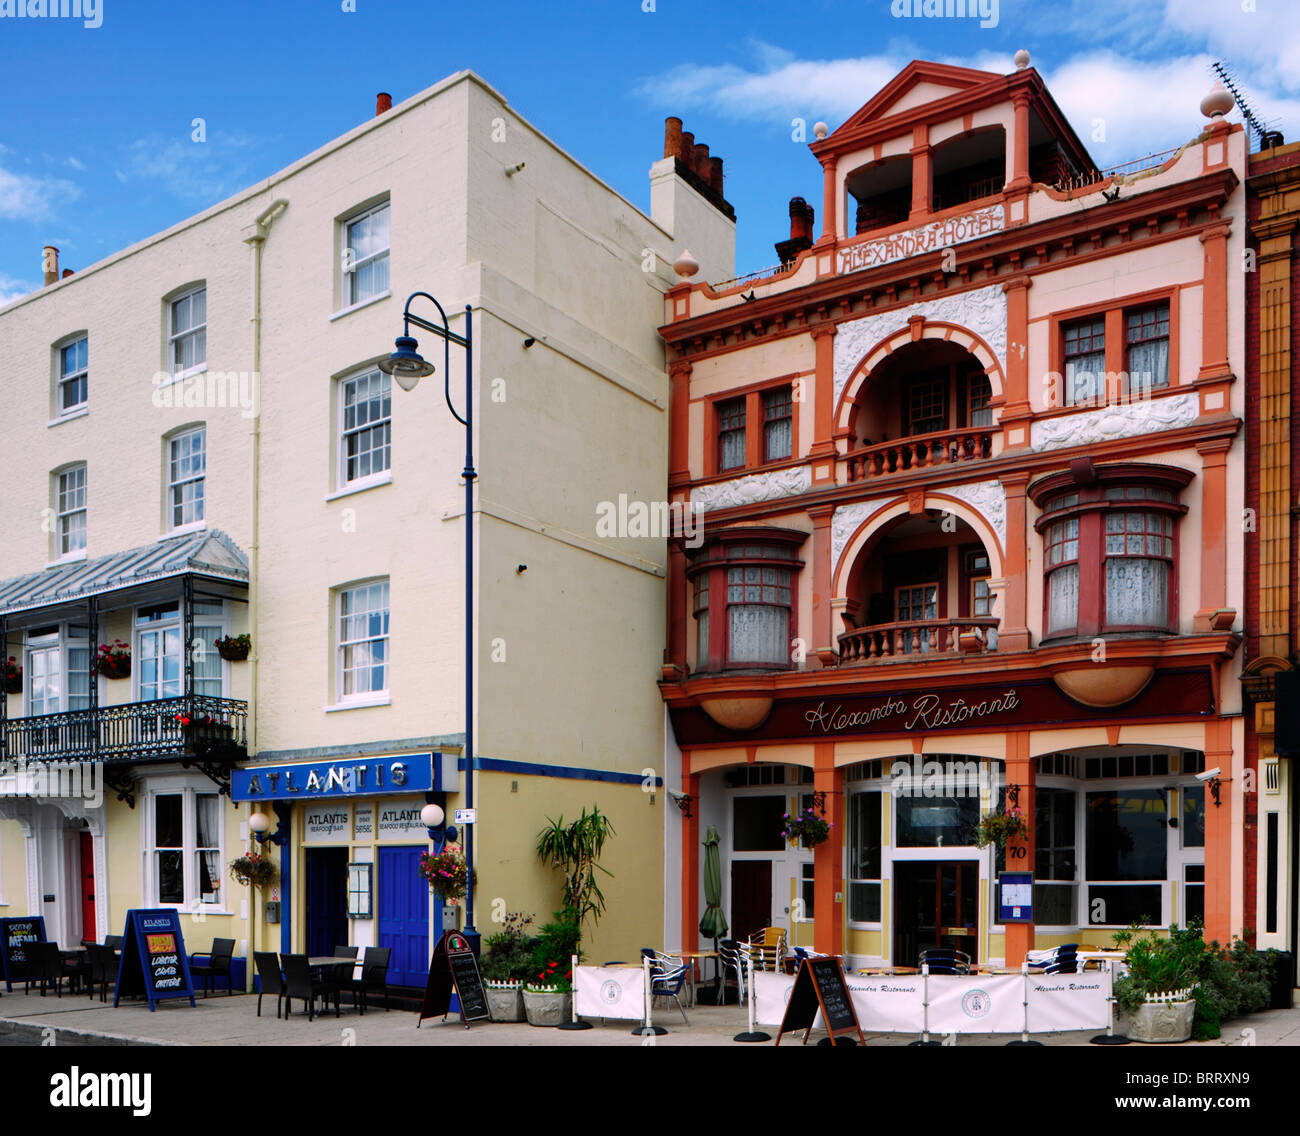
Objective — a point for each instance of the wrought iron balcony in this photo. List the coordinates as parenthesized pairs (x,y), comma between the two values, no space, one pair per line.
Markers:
(195,727)
(916,639)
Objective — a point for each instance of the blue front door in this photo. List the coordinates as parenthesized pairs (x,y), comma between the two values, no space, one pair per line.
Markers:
(327,900)
(404,916)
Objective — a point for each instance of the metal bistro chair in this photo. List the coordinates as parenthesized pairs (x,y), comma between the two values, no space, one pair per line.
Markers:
(218,965)
(667,976)
(731,956)
(270,980)
(374,976)
(944,960)
(1059,960)
(299,983)
(767,948)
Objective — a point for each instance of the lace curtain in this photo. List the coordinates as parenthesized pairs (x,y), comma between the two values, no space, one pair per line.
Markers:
(1148,365)
(1063,598)
(759,633)
(1137,592)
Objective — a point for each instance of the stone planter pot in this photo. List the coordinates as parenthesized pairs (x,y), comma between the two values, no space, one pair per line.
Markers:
(547,1007)
(505,1001)
(1159,1022)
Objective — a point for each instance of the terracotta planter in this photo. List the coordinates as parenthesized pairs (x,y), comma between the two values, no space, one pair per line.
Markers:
(547,1007)
(505,1001)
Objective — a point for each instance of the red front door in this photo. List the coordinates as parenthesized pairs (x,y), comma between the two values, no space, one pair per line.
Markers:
(88,931)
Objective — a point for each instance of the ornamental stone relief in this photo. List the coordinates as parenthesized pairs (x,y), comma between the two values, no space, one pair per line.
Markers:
(1090,427)
(753,488)
(845,522)
(988,499)
(982,311)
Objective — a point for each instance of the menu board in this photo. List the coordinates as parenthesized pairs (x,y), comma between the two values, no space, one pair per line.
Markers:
(820,985)
(454,967)
(15,937)
(154,962)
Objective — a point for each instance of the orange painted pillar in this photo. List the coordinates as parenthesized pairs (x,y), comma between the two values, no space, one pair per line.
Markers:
(830,206)
(1013,634)
(679,435)
(677,605)
(1015,411)
(1214,303)
(1021,772)
(691,910)
(1214,529)
(922,168)
(821,636)
(823,446)
(1020,144)
(828,856)
(1218,834)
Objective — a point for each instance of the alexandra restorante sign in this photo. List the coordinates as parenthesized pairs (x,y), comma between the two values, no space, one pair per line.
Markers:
(1171,694)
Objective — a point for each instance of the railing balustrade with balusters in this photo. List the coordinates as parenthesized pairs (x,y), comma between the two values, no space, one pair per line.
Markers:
(943,447)
(131,731)
(912,638)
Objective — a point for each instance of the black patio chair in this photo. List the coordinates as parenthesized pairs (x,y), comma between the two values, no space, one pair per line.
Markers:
(218,964)
(103,970)
(945,960)
(374,976)
(299,983)
(271,981)
(53,967)
(113,942)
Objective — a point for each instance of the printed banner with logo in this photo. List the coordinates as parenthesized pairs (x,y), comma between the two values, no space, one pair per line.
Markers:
(1069,1001)
(609,992)
(977,1003)
(887,1003)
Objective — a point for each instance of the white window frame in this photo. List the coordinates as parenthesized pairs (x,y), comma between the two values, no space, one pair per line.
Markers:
(174,484)
(367,697)
(174,337)
(63,516)
(385,475)
(219,621)
(346,297)
(58,636)
(189,787)
(62,378)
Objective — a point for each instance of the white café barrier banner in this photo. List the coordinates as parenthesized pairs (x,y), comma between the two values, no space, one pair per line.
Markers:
(975,1003)
(609,991)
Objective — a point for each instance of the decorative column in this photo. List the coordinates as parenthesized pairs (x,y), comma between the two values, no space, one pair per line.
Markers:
(1218,833)
(1021,792)
(1214,611)
(922,169)
(822,452)
(678,609)
(1214,308)
(679,424)
(1019,140)
(830,204)
(1013,634)
(822,637)
(828,856)
(690,858)
(1016,409)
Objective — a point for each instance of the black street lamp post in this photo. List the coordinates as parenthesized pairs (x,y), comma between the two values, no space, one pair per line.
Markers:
(408,368)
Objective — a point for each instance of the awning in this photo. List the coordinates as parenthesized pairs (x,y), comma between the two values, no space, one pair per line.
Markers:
(211,554)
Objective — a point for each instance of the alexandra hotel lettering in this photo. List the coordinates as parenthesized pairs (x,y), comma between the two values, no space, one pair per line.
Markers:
(927,238)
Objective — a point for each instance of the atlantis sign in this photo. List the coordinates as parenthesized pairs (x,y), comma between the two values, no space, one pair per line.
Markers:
(933,237)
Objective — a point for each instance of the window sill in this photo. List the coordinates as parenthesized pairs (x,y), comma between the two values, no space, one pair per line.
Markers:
(357,307)
(181,376)
(70,558)
(359,704)
(361,485)
(185,530)
(80,412)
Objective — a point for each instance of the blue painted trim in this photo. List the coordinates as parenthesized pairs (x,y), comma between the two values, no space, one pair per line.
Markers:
(570,772)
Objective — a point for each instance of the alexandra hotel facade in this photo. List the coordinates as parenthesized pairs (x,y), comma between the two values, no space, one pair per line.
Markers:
(971,467)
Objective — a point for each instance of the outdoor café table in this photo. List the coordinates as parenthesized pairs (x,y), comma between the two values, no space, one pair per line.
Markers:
(692,957)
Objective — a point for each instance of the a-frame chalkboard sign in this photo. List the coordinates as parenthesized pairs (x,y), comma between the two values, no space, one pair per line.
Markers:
(154,962)
(17,937)
(454,967)
(820,984)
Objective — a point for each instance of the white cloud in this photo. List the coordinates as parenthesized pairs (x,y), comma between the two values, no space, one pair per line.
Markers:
(12,289)
(75,163)
(27,198)
(1260,39)
(196,171)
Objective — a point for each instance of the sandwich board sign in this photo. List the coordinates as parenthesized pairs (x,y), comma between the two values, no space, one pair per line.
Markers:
(154,962)
(17,937)
(820,985)
(454,967)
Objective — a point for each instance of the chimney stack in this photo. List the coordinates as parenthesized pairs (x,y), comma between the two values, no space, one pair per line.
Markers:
(801,231)
(686,155)
(715,175)
(672,137)
(66,273)
(50,261)
(693,163)
(383,102)
(701,165)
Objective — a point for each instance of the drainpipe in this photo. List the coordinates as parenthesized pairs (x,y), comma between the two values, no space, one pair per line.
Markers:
(261,228)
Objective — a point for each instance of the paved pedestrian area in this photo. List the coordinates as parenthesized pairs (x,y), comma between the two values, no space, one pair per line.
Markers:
(28,1019)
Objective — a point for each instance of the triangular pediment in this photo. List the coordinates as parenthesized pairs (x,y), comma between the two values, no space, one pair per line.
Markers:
(918,83)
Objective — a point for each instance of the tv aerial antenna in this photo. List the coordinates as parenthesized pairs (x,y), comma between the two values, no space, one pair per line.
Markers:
(1248,116)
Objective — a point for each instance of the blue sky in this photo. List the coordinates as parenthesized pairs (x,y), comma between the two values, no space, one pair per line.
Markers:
(95,122)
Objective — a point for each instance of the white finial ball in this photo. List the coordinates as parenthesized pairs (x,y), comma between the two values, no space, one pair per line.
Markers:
(820,130)
(1021,59)
(1218,102)
(686,265)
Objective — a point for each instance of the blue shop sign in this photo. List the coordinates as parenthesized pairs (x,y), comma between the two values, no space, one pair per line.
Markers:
(346,777)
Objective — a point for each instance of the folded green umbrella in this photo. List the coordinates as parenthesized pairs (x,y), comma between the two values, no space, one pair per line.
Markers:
(714,924)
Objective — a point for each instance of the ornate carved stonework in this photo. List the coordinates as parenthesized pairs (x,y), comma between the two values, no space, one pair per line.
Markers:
(756,487)
(1129,420)
(982,311)
(845,523)
(988,499)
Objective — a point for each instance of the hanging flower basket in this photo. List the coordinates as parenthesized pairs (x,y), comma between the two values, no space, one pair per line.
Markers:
(446,872)
(234,648)
(1000,828)
(806,827)
(253,869)
(114,661)
(13,677)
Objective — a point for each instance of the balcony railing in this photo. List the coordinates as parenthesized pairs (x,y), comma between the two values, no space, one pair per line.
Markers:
(916,638)
(943,447)
(196,725)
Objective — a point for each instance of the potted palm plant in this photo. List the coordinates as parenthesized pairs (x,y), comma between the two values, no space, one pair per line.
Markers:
(548,991)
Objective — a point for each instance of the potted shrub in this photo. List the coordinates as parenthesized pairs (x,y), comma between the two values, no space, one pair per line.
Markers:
(548,991)
(13,676)
(234,648)
(807,828)
(507,962)
(114,659)
(253,869)
(1158,994)
(1001,827)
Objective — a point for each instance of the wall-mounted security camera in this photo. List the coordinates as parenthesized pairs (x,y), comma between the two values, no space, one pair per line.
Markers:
(674,794)
(529,342)
(1209,774)
(512,170)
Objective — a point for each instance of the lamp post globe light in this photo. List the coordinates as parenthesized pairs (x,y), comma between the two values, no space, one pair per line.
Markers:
(408,367)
